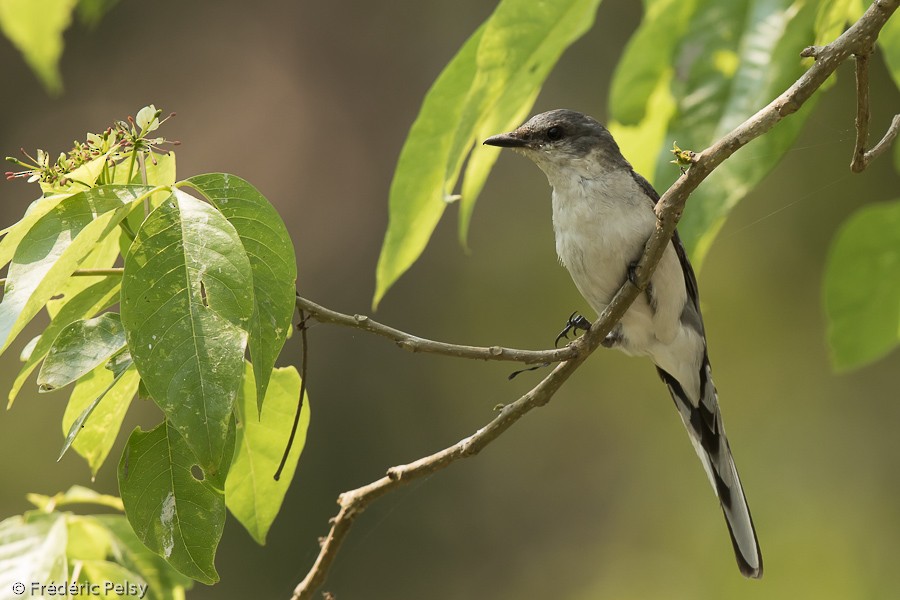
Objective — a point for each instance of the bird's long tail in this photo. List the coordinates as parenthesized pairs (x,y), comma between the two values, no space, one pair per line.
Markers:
(704,424)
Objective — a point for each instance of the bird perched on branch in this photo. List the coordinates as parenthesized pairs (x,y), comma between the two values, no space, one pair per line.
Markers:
(603,215)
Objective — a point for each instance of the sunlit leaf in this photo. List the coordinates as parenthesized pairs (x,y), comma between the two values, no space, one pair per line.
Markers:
(110,575)
(90,12)
(32,549)
(85,304)
(490,84)
(79,348)
(272,264)
(165,583)
(187,303)
(74,495)
(36,28)
(251,493)
(175,514)
(95,412)
(888,39)
(862,287)
(54,247)
(88,539)
(724,61)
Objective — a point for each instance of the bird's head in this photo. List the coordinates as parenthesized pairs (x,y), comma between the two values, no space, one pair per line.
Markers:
(564,143)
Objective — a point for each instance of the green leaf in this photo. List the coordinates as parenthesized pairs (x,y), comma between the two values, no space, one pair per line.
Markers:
(111,576)
(862,287)
(160,171)
(79,348)
(54,247)
(272,264)
(176,515)
(36,28)
(79,178)
(91,11)
(165,583)
(187,303)
(251,493)
(104,396)
(490,84)
(87,303)
(74,495)
(721,63)
(14,233)
(88,539)
(103,256)
(32,549)
(889,47)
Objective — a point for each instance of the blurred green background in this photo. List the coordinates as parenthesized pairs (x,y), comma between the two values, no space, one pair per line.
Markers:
(598,495)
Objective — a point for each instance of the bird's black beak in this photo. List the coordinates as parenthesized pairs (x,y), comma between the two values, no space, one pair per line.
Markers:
(507,140)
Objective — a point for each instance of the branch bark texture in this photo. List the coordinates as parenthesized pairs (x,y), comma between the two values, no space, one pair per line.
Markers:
(858,39)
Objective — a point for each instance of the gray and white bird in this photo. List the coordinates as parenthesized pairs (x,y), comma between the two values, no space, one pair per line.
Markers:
(603,215)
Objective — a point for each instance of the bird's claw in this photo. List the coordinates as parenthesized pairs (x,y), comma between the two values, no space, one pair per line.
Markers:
(575,322)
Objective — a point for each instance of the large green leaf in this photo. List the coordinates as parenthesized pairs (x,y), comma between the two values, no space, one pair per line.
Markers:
(489,85)
(79,348)
(251,493)
(187,303)
(36,28)
(175,514)
(95,412)
(87,303)
(55,246)
(272,264)
(715,64)
(32,549)
(862,286)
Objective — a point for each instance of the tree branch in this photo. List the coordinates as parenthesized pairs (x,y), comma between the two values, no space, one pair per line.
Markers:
(861,157)
(414,343)
(859,36)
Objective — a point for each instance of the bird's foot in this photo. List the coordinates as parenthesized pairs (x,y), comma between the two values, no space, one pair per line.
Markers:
(575,323)
(633,278)
(613,338)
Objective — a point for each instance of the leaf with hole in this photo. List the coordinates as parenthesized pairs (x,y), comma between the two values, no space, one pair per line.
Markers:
(186,305)
(175,514)
(272,265)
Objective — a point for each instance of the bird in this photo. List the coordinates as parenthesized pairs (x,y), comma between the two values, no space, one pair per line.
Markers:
(603,215)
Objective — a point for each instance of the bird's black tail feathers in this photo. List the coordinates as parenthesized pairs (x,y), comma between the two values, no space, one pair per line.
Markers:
(703,421)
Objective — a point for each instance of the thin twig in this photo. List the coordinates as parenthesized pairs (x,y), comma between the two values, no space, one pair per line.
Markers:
(669,209)
(858,164)
(861,157)
(304,361)
(414,343)
(889,136)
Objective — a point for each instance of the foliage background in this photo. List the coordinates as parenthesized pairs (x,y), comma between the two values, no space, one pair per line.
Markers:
(311,102)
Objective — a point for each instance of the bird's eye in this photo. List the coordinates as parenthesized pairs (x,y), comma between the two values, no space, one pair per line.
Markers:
(555,133)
